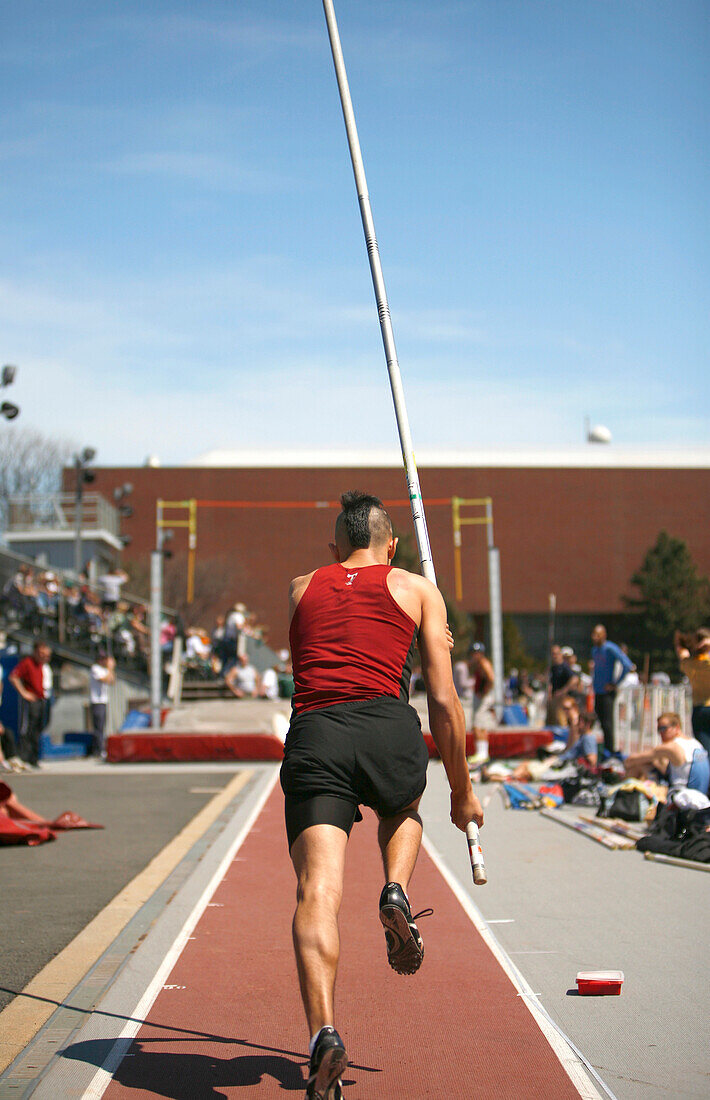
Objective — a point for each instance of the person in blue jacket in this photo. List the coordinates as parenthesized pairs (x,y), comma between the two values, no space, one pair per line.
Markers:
(606,656)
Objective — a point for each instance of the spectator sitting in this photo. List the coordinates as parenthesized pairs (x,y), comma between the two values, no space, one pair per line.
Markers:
(285,674)
(14,591)
(269,684)
(47,597)
(582,747)
(197,646)
(681,760)
(168,630)
(242,678)
(140,628)
(525,688)
(220,648)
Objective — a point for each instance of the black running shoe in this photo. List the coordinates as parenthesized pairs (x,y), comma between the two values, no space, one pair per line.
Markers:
(405,949)
(328,1062)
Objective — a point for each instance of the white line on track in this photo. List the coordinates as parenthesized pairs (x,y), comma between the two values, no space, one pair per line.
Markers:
(571,1062)
(103,1076)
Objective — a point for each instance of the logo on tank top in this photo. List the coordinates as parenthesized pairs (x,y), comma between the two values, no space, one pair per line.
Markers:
(351,577)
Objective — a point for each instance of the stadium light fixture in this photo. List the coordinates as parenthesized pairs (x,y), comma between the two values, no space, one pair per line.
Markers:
(84,476)
(7,377)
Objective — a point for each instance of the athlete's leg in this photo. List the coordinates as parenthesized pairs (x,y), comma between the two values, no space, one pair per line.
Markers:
(400,837)
(318,855)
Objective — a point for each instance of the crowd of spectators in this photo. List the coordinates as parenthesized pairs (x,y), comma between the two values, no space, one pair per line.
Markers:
(223,653)
(86,614)
(95,617)
(582,704)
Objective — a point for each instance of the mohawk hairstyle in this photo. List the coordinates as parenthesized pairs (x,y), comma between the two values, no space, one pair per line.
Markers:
(364,519)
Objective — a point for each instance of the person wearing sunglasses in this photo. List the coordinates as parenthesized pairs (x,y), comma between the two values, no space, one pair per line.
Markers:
(680,759)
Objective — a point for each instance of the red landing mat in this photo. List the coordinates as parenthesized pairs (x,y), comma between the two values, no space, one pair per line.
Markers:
(171,746)
(229,1022)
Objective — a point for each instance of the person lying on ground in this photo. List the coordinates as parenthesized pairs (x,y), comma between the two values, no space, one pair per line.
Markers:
(680,759)
(582,750)
(10,806)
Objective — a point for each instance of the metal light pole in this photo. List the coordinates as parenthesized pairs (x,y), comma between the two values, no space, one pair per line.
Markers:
(156,671)
(83,475)
(494,589)
(156,603)
(494,603)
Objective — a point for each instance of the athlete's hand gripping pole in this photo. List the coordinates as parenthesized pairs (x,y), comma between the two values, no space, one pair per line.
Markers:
(405,439)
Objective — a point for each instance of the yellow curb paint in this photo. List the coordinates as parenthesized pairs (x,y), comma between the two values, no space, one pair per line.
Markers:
(24,1016)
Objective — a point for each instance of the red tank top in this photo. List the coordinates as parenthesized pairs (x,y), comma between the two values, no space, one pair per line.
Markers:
(350,639)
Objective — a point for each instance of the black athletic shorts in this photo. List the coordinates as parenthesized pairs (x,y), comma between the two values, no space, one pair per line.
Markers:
(369,751)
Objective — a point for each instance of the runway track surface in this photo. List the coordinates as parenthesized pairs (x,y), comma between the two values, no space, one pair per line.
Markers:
(229,1023)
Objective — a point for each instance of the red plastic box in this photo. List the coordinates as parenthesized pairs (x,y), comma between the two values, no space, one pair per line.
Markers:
(600,983)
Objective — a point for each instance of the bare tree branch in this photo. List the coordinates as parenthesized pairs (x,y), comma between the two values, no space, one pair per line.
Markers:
(29,463)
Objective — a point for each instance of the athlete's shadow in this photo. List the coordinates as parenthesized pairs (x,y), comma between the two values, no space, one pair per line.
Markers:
(191,1076)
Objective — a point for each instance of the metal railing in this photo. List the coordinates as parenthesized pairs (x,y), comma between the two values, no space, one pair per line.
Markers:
(637,709)
(58,511)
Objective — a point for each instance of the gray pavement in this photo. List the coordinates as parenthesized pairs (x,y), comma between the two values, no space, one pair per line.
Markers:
(49,893)
(574,905)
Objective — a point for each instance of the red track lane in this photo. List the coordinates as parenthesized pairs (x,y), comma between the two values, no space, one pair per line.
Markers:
(233,1026)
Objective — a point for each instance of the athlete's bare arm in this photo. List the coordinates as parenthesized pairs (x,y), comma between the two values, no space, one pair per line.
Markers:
(296,589)
(424,603)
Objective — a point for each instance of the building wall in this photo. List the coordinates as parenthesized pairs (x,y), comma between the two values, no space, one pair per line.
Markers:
(577,532)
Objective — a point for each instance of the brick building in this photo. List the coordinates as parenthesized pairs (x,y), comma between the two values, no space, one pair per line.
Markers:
(573,523)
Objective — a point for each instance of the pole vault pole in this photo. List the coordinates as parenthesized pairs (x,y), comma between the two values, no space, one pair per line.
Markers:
(368,225)
(383,309)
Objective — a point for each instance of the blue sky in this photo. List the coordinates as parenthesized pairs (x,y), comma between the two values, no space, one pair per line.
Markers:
(183,265)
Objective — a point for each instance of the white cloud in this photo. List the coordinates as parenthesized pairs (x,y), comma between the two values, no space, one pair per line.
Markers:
(249,356)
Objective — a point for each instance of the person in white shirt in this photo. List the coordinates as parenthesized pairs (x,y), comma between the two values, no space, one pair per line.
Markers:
(111,584)
(269,687)
(196,646)
(242,679)
(102,674)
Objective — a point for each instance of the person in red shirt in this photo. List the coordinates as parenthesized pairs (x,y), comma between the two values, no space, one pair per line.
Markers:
(27,678)
(355,740)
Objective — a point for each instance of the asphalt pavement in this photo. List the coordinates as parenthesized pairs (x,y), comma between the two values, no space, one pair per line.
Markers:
(51,892)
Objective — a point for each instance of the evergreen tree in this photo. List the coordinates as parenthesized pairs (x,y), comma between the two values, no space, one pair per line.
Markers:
(516,655)
(672,595)
(407,557)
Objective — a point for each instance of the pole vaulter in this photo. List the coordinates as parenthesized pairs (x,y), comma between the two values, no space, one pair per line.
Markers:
(395,377)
